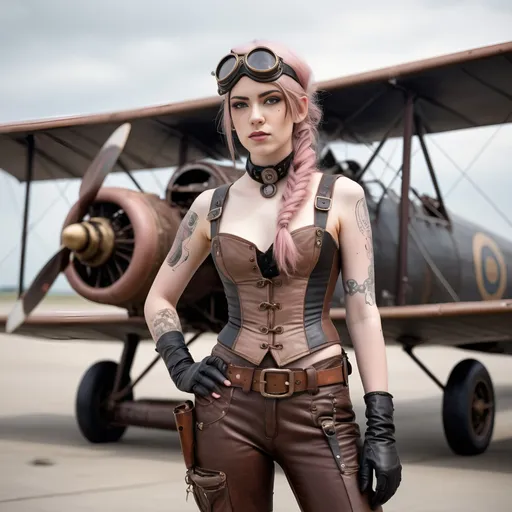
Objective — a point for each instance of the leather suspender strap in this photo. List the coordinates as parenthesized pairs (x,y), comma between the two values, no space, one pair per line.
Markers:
(217,202)
(323,199)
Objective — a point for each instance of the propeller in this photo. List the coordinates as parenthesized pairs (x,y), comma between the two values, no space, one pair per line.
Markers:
(91,184)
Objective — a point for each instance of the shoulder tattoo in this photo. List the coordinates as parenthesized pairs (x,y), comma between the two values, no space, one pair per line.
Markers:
(179,251)
(364,225)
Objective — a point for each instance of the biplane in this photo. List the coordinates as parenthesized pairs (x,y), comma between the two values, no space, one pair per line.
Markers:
(439,279)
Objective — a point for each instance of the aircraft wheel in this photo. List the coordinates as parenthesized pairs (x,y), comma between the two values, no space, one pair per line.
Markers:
(469,408)
(90,407)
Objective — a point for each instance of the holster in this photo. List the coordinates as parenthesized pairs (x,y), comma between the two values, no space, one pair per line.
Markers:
(184,415)
(208,486)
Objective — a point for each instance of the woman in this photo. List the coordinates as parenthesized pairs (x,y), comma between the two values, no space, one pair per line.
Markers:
(275,388)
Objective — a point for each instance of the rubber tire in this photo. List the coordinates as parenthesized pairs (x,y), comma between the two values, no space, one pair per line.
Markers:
(95,386)
(457,403)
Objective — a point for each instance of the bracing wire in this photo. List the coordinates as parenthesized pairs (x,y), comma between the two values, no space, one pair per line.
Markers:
(464,174)
(476,157)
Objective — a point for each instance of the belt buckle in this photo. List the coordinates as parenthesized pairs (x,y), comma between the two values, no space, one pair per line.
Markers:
(291,383)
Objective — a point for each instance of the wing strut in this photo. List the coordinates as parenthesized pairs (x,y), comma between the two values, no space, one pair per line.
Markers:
(404,200)
(375,154)
(30,171)
(419,132)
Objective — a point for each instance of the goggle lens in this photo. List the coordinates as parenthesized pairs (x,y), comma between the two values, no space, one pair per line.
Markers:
(260,64)
(226,67)
(261,60)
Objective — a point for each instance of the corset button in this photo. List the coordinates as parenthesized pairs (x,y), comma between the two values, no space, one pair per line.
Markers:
(251,258)
(279,329)
(319,232)
(278,282)
(264,329)
(264,345)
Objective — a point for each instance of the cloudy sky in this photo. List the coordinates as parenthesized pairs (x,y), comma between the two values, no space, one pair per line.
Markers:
(60,58)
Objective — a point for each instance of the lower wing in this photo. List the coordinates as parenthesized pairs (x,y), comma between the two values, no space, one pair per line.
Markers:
(81,325)
(485,325)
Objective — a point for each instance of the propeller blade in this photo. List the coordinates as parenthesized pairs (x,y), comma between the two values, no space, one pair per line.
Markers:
(38,289)
(101,166)
(91,184)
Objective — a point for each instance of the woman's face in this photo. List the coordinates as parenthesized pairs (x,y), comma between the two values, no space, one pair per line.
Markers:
(260,118)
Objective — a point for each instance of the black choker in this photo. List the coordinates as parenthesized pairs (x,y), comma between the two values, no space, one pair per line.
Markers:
(269,175)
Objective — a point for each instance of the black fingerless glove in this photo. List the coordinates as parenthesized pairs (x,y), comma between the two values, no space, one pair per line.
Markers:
(199,378)
(379,450)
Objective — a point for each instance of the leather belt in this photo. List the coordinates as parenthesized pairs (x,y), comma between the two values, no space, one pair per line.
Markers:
(283,382)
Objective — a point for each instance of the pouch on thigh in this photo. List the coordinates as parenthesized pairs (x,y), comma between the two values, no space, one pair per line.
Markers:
(209,489)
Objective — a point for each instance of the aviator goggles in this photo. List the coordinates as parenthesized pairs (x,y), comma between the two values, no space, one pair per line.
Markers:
(260,64)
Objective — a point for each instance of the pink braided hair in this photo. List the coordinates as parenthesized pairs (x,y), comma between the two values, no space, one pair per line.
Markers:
(304,146)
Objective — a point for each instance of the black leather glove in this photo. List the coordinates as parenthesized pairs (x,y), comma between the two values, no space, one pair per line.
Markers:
(379,450)
(199,378)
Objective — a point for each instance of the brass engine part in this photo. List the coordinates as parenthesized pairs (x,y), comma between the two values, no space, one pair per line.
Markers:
(92,241)
(154,225)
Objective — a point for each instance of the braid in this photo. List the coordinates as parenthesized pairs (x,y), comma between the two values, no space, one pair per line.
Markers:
(298,179)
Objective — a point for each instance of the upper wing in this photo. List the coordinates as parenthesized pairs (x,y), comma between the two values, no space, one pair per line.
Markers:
(485,325)
(461,90)
(452,92)
(64,148)
(81,325)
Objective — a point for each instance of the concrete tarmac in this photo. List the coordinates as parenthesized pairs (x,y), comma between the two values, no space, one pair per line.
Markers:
(46,466)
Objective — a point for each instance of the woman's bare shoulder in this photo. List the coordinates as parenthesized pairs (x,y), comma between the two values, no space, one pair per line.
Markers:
(347,191)
(201,207)
(202,202)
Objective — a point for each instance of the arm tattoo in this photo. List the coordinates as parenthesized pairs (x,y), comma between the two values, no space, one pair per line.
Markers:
(364,225)
(179,252)
(351,286)
(165,320)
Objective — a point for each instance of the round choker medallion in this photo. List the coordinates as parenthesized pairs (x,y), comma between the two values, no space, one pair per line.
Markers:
(268,190)
(269,175)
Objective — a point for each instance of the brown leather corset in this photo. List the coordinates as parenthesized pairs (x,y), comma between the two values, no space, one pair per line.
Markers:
(286,315)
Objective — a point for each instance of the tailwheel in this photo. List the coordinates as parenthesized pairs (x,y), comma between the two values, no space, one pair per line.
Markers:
(92,399)
(469,408)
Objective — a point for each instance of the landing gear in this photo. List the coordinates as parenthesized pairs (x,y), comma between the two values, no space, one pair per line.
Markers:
(468,406)
(92,412)
(104,402)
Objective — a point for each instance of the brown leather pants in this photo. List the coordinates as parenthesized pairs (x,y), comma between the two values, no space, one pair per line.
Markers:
(244,434)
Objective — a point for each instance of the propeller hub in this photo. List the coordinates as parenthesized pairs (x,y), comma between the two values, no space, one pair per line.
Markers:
(91,241)
(75,237)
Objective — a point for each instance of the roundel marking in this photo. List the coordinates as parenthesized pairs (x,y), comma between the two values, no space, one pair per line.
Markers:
(490,267)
